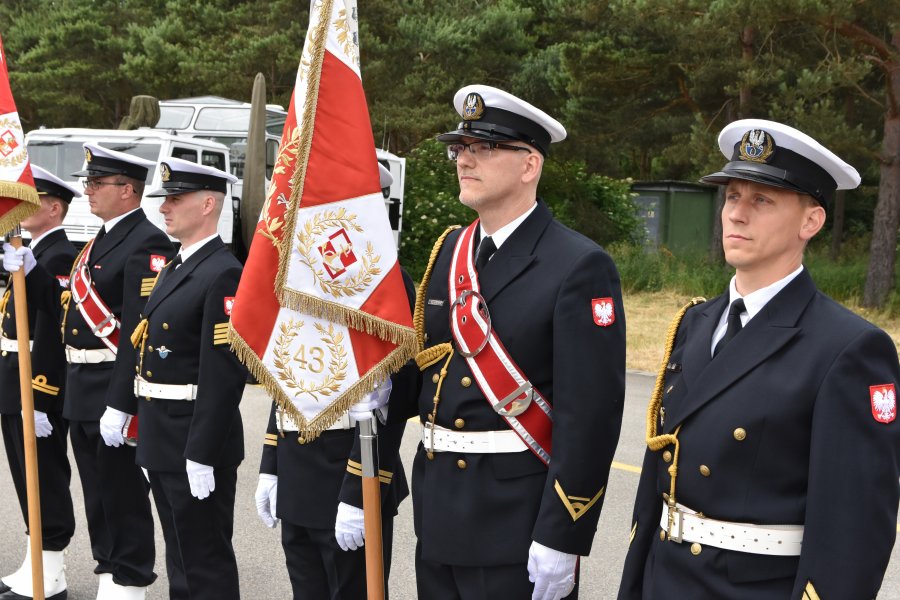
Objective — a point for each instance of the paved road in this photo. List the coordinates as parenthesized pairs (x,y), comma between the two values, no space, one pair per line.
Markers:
(261,560)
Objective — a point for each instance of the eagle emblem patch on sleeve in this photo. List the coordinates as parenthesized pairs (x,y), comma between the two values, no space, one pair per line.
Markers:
(229,304)
(603,311)
(157,262)
(884,402)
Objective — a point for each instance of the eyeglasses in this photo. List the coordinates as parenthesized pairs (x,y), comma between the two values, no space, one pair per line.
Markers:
(93,184)
(481,149)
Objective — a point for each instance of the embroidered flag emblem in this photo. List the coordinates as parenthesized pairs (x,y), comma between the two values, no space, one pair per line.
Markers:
(603,312)
(229,304)
(157,262)
(63,281)
(884,402)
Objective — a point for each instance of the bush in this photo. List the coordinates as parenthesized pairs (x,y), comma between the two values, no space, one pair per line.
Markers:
(599,207)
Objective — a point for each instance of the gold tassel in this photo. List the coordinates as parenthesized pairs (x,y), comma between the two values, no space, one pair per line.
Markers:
(139,332)
(658,442)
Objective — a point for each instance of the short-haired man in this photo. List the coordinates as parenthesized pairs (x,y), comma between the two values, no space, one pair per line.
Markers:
(773,445)
(523,373)
(110,282)
(187,386)
(55,253)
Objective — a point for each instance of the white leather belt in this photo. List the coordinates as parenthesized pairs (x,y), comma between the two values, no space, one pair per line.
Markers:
(440,439)
(89,355)
(8,345)
(287,424)
(164,391)
(685,525)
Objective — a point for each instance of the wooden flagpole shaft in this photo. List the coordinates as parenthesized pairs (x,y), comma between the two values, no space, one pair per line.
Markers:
(31,464)
(371,488)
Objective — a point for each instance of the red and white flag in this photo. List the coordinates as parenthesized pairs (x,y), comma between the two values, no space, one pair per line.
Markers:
(321,313)
(18,196)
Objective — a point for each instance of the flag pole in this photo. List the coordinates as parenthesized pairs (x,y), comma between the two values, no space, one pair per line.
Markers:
(31,460)
(371,488)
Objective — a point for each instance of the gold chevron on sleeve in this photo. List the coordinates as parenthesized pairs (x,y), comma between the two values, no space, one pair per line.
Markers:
(39,384)
(355,468)
(633,531)
(577,505)
(809,593)
(220,333)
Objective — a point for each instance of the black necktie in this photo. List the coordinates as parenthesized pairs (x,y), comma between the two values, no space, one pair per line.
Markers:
(485,250)
(734,324)
(175,263)
(100,234)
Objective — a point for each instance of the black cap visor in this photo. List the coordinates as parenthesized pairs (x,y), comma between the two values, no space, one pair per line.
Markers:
(50,188)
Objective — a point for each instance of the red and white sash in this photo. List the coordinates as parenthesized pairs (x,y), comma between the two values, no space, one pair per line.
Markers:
(102,321)
(502,382)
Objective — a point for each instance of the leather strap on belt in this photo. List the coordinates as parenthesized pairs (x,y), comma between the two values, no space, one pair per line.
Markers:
(287,424)
(96,314)
(8,345)
(502,382)
(682,524)
(164,391)
(440,439)
(89,355)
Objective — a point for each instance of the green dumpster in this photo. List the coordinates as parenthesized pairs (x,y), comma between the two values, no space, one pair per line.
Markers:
(677,214)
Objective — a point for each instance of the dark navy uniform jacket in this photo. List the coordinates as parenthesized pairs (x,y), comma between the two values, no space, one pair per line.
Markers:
(486,509)
(782,420)
(314,477)
(123,267)
(55,253)
(187,343)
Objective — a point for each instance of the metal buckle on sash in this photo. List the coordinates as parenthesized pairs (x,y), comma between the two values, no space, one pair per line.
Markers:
(516,406)
(483,311)
(96,328)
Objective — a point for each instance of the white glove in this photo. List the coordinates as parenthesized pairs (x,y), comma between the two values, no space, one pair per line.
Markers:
(375,400)
(201,478)
(42,426)
(349,527)
(111,424)
(13,258)
(266,498)
(551,571)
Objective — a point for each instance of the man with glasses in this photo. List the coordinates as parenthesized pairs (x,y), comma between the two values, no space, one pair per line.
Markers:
(110,282)
(523,373)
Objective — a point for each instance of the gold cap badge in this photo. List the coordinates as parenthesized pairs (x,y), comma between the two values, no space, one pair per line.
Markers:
(756,146)
(87,155)
(473,107)
(166,173)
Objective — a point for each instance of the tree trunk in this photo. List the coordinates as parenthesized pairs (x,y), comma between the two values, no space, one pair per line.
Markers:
(837,226)
(882,254)
(747,60)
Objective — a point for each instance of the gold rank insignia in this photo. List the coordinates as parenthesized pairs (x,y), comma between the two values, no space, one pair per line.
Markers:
(577,505)
(220,333)
(39,384)
(165,172)
(271,439)
(809,592)
(355,468)
(147,284)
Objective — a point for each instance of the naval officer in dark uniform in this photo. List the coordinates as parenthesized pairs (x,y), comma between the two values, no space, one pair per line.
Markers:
(55,253)
(773,445)
(309,486)
(523,373)
(109,283)
(187,385)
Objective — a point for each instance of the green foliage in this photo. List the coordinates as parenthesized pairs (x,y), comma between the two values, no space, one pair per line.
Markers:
(599,207)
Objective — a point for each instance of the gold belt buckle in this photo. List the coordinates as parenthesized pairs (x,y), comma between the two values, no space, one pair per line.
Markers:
(675,516)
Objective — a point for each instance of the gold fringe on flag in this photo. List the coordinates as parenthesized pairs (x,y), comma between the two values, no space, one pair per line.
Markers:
(30,203)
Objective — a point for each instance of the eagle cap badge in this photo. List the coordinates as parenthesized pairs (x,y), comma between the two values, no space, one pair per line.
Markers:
(756,146)
(473,107)
(165,172)
(883,398)
(603,311)
(87,155)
